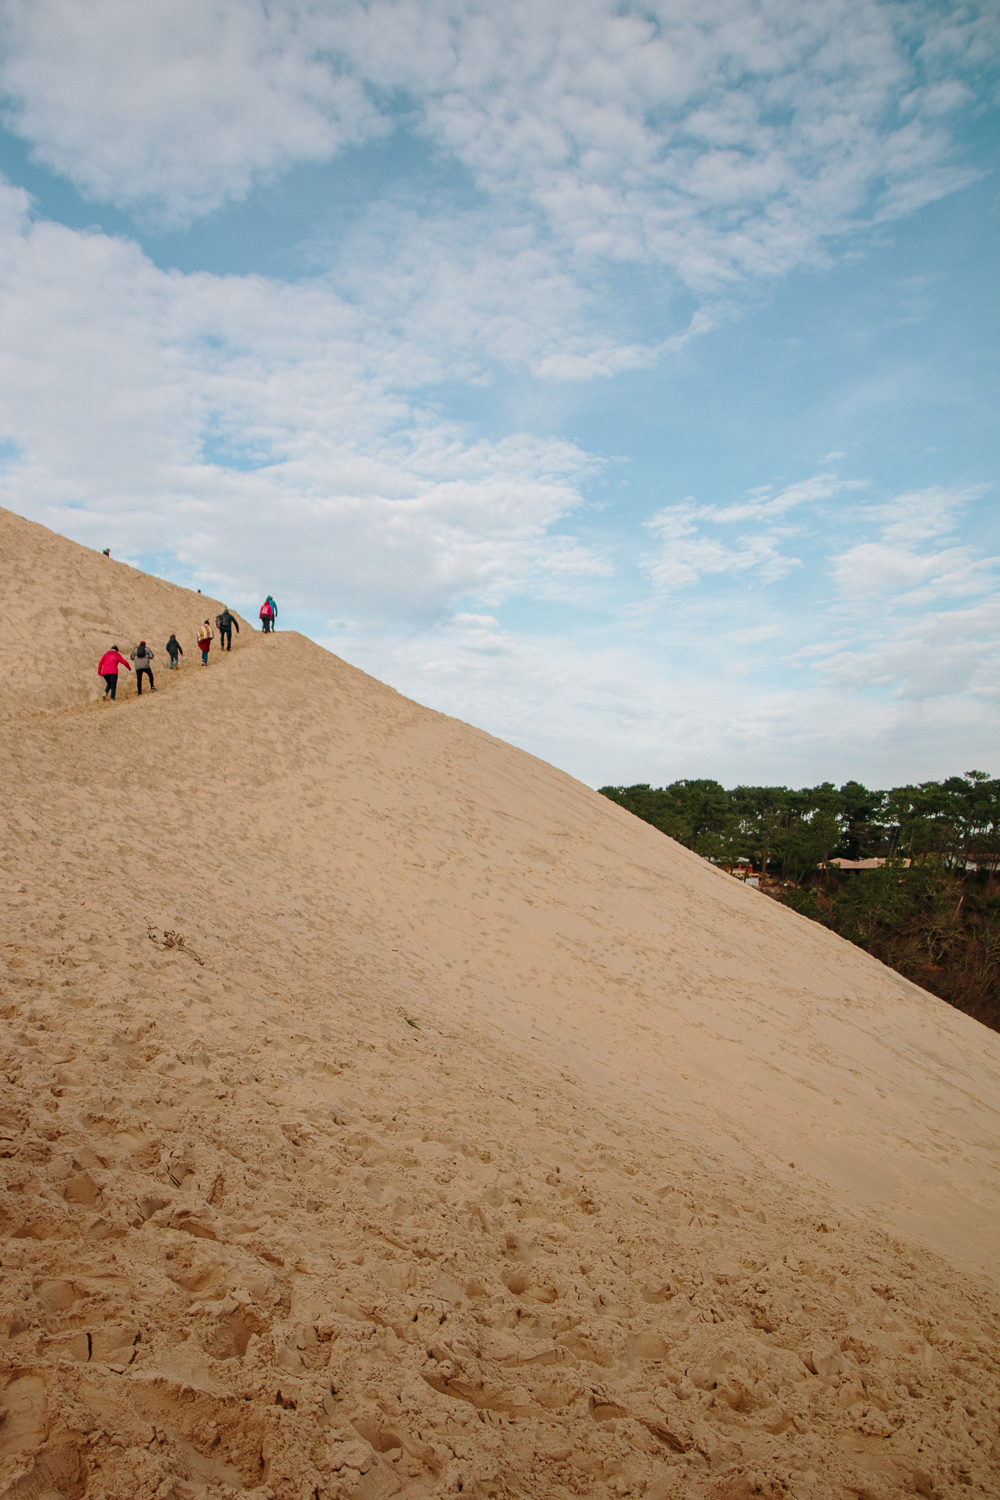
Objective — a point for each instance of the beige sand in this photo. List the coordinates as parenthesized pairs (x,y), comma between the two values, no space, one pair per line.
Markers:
(475,1139)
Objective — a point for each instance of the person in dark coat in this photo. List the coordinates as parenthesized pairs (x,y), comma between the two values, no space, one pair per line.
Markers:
(174,649)
(225,622)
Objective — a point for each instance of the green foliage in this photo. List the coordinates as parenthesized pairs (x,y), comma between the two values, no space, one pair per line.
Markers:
(806,903)
(791,833)
(932,923)
(876,900)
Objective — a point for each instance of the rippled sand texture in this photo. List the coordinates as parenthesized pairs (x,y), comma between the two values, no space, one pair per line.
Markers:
(385,1113)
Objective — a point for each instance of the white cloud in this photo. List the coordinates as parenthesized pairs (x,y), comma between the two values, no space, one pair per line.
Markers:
(686,553)
(897,641)
(922,515)
(614,711)
(763,505)
(691,547)
(907,566)
(175,105)
(722,140)
(940,655)
(471,292)
(476,622)
(876,572)
(709,144)
(114,374)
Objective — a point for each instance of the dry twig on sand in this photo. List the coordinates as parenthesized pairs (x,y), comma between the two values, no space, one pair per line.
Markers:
(173,939)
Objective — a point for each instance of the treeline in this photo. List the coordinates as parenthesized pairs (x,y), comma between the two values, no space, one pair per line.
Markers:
(932,911)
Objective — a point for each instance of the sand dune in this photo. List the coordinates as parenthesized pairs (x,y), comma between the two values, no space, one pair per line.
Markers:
(388,1114)
(63,606)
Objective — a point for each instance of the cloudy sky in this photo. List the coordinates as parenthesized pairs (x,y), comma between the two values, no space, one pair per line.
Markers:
(619,377)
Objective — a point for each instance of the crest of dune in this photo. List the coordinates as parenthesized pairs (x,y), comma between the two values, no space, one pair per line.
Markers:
(385,1113)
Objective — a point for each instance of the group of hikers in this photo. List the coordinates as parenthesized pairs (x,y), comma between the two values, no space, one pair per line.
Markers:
(142,657)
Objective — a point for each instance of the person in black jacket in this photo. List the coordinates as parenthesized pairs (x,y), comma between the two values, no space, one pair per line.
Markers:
(225,622)
(174,650)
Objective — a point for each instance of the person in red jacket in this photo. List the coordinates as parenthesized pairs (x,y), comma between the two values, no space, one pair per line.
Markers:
(108,669)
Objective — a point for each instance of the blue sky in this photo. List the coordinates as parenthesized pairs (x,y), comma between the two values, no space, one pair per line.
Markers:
(624,382)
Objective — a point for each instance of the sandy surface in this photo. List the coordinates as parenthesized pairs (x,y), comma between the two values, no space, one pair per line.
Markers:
(475,1139)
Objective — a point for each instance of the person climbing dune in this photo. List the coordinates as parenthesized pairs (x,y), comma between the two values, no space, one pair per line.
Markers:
(174,649)
(107,668)
(266,617)
(274,611)
(143,659)
(225,622)
(205,639)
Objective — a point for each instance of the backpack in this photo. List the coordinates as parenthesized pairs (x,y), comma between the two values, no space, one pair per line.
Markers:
(266,612)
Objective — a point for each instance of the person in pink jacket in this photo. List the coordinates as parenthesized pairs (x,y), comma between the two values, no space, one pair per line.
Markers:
(108,669)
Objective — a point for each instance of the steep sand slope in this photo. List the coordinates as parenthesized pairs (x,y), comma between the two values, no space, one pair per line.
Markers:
(451,1151)
(62,606)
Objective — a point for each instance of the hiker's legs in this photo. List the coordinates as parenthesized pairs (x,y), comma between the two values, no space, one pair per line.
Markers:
(111,680)
(226,640)
(204,658)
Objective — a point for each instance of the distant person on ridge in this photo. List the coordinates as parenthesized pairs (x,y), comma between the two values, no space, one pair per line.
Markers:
(174,650)
(143,658)
(225,622)
(205,639)
(274,612)
(107,668)
(266,617)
